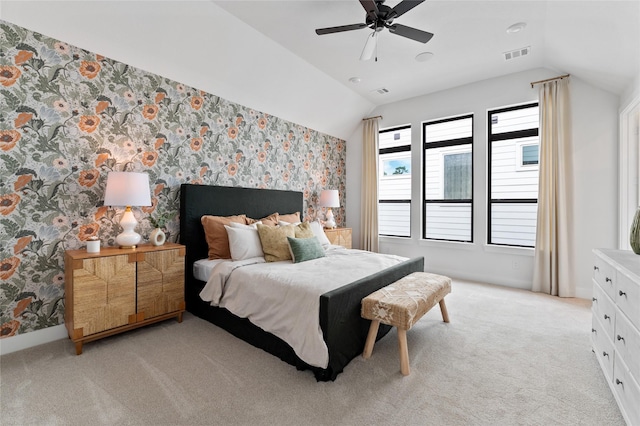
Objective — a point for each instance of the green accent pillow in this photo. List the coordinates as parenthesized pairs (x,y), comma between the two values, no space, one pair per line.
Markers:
(303,249)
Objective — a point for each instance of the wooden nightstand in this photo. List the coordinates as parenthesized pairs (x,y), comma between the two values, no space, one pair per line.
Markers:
(116,290)
(339,236)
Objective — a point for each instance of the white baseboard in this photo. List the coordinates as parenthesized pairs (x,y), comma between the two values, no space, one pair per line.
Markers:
(34,338)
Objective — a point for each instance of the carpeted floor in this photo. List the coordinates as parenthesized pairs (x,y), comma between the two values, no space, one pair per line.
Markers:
(508,357)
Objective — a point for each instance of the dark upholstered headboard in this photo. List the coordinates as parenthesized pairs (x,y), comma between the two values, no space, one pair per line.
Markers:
(199,200)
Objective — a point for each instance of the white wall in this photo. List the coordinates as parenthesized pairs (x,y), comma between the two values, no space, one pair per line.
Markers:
(595,133)
(200,44)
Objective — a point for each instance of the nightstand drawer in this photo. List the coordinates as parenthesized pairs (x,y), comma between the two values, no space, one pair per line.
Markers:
(339,236)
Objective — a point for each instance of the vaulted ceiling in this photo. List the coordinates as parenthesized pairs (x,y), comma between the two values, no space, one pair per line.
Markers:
(597,41)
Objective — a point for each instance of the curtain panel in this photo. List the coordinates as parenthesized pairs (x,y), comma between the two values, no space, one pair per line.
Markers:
(369,209)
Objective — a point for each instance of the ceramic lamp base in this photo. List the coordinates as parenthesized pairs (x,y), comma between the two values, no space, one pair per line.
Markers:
(330,222)
(128,238)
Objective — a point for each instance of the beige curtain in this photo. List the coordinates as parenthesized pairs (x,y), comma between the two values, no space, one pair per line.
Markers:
(369,195)
(553,267)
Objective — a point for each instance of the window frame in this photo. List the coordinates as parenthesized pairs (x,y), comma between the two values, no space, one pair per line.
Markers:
(441,144)
(393,150)
(517,134)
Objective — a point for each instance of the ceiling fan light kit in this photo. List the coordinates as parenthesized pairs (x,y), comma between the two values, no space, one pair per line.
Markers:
(379,16)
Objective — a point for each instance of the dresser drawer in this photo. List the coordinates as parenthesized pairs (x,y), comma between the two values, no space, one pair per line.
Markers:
(627,344)
(603,348)
(604,274)
(628,392)
(627,298)
(604,310)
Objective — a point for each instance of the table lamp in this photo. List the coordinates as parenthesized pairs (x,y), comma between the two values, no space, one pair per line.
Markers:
(329,198)
(127,189)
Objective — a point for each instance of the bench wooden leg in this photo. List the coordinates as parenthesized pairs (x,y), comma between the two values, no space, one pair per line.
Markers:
(443,309)
(404,352)
(371,338)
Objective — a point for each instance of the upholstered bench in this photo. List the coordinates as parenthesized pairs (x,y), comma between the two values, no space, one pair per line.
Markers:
(401,305)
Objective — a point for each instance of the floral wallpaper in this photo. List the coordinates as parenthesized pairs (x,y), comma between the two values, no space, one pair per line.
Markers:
(69,116)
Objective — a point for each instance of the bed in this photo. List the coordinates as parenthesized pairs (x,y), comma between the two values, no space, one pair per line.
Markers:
(343,329)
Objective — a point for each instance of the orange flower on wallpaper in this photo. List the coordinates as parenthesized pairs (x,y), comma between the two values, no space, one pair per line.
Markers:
(196,102)
(102,105)
(89,69)
(99,57)
(196,181)
(159,188)
(22,119)
(150,111)
(239,120)
(102,157)
(159,143)
(8,75)
(262,123)
(88,177)
(8,139)
(100,212)
(262,156)
(267,145)
(286,145)
(152,207)
(8,203)
(149,158)
(286,176)
(232,169)
(159,97)
(307,136)
(88,123)
(21,306)
(306,165)
(22,57)
(203,130)
(203,170)
(196,144)
(22,181)
(8,266)
(8,329)
(232,132)
(88,231)
(21,244)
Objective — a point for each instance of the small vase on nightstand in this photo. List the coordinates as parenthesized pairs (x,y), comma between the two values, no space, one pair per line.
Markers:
(157,237)
(634,235)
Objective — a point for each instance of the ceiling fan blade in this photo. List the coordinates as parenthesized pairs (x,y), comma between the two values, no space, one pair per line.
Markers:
(371,8)
(331,30)
(403,7)
(412,33)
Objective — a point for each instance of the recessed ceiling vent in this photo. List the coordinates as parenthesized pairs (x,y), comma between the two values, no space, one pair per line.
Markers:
(523,51)
(381,91)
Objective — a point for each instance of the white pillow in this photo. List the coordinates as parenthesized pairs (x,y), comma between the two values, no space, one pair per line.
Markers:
(283,223)
(244,243)
(243,226)
(318,231)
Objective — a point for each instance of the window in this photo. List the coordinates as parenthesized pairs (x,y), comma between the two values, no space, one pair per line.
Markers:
(513,175)
(448,179)
(394,182)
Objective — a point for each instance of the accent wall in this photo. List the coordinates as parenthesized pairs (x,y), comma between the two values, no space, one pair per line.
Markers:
(69,116)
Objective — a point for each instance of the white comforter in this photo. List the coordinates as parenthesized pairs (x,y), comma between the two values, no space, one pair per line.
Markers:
(283,298)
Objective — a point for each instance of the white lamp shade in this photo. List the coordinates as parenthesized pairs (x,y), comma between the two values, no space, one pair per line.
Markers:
(329,198)
(127,189)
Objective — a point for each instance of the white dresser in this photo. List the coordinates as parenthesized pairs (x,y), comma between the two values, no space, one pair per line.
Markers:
(615,332)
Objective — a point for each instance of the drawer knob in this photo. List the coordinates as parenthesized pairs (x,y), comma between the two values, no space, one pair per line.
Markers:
(593,330)
(618,382)
(622,293)
(607,279)
(619,337)
(604,353)
(595,268)
(594,299)
(606,316)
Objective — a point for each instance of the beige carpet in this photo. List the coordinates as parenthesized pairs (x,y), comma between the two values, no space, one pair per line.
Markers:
(508,357)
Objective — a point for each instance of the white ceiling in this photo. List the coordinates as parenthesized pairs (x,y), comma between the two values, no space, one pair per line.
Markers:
(597,41)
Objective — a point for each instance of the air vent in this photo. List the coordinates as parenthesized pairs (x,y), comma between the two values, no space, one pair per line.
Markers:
(524,51)
(381,91)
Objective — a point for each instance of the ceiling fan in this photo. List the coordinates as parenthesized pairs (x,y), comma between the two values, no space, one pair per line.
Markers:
(380,16)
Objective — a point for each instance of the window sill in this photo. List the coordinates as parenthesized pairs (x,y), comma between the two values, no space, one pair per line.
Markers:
(387,239)
(521,251)
(458,245)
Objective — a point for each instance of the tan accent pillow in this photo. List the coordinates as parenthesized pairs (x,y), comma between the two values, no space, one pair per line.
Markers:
(216,234)
(303,230)
(291,218)
(271,220)
(274,241)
